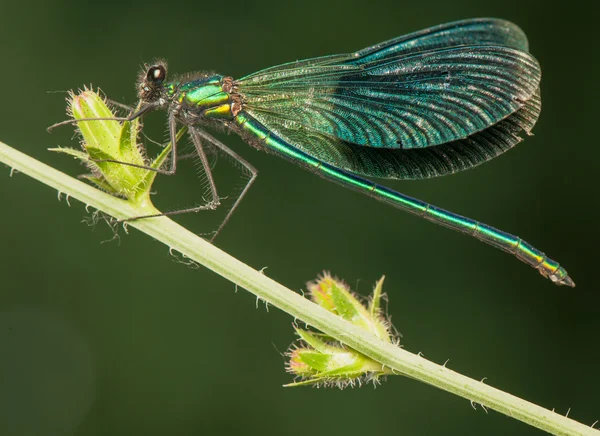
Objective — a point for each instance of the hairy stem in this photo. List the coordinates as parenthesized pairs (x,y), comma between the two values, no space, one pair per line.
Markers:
(199,250)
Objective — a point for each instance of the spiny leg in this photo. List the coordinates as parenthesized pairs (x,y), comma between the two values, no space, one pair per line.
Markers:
(212,204)
(180,157)
(120,105)
(197,135)
(253,172)
(206,166)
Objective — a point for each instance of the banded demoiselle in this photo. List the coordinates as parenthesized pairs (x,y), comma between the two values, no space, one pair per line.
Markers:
(427,104)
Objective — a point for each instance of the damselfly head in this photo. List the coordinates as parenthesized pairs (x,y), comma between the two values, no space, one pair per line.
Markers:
(151,80)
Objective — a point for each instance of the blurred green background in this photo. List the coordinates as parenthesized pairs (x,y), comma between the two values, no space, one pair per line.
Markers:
(118,338)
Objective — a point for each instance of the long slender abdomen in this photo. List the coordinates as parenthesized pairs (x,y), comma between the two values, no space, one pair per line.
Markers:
(521,249)
(257,133)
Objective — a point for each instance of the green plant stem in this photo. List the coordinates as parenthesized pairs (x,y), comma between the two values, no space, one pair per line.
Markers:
(199,250)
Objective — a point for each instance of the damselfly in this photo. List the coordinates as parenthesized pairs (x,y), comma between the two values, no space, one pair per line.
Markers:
(423,105)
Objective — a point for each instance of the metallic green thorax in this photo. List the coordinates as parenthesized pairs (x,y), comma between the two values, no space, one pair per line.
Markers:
(209,97)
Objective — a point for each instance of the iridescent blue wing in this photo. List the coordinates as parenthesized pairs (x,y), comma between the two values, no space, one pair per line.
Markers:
(477,31)
(420,105)
(418,163)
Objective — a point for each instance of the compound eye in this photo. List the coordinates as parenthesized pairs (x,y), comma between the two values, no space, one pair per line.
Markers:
(156,74)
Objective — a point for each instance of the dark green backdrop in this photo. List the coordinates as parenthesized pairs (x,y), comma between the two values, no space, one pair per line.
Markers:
(119,339)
